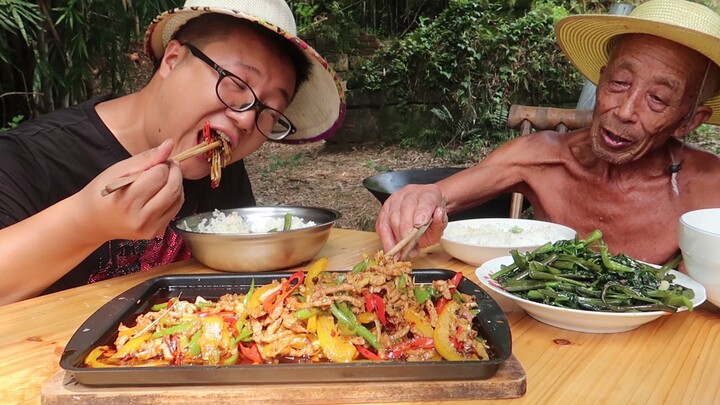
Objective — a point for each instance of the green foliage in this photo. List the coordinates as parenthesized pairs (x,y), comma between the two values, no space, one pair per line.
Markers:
(471,62)
(707,137)
(328,25)
(14,122)
(15,15)
(278,162)
(383,17)
(378,168)
(58,54)
(305,12)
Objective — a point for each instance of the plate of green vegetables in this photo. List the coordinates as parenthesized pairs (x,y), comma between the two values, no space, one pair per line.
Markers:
(577,284)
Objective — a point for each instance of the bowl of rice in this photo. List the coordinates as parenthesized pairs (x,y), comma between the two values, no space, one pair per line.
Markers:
(257,238)
(475,241)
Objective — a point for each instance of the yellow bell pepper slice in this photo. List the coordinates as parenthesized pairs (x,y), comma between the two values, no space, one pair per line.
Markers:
(366,317)
(261,293)
(318,267)
(441,336)
(482,350)
(312,324)
(91,360)
(132,346)
(418,323)
(334,345)
(214,338)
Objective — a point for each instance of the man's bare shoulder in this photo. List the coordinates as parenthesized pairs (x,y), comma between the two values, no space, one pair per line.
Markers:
(701,159)
(700,174)
(550,139)
(538,149)
(542,142)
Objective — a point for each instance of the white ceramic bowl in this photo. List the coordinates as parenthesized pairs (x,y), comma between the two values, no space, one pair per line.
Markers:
(579,320)
(699,240)
(252,252)
(476,241)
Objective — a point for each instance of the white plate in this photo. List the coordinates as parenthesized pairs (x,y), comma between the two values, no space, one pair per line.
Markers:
(580,320)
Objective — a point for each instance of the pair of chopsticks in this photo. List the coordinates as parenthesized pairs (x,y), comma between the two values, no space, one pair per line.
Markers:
(412,238)
(408,242)
(194,151)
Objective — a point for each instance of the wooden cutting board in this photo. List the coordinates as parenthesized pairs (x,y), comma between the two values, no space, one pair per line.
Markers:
(510,381)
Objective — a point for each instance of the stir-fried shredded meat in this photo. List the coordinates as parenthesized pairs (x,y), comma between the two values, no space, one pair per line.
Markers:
(375,312)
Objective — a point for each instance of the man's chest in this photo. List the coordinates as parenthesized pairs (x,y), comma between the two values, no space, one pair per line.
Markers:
(639,220)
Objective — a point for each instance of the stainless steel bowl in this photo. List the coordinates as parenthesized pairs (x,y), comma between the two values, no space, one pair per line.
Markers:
(249,252)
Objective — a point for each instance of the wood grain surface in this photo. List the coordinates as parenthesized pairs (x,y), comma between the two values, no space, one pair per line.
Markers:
(671,360)
(508,382)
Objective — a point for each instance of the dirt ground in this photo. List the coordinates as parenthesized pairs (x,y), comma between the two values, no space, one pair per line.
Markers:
(329,175)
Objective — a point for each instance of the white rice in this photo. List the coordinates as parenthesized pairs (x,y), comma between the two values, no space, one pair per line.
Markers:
(502,235)
(235,223)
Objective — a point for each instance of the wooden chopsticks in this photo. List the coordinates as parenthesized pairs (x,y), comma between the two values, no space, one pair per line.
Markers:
(412,238)
(194,151)
(409,241)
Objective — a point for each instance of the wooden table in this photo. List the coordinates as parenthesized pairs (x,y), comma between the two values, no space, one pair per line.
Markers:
(674,359)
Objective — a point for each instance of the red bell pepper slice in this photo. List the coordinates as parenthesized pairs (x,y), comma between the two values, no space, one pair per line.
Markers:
(397,351)
(207,138)
(287,288)
(456,279)
(440,305)
(251,353)
(454,339)
(374,303)
(206,134)
(365,352)
(454,282)
(228,316)
(230,320)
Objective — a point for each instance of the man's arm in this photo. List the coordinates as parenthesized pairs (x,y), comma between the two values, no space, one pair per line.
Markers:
(501,171)
(39,250)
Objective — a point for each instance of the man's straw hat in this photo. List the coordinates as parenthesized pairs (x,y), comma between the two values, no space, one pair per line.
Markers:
(585,39)
(318,107)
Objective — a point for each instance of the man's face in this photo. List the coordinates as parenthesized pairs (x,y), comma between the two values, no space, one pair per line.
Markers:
(187,97)
(644,95)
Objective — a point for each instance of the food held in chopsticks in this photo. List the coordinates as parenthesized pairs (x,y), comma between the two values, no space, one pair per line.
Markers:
(375,312)
(582,274)
(218,157)
(215,147)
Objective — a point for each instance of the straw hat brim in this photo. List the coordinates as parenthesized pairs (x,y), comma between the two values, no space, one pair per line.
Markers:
(586,39)
(318,107)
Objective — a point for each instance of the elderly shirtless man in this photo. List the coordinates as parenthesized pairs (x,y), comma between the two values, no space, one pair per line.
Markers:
(630,174)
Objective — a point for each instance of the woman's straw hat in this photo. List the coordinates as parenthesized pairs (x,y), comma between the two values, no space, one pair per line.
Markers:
(318,107)
(585,39)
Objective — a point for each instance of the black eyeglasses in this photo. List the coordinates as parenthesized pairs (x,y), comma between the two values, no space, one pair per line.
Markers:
(237,95)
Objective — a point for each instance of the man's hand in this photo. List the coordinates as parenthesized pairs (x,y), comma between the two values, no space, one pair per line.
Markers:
(408,208)
(144,208)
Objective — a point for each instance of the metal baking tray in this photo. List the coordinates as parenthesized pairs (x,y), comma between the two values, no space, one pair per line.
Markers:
(101,329)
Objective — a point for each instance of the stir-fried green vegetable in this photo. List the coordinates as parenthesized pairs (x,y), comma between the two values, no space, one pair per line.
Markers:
(575,274)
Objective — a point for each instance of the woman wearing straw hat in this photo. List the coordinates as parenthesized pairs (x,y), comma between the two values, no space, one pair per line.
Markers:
(629,174)
(235,67)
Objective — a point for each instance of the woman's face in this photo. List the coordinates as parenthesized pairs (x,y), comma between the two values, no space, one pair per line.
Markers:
(645,95)
(187,98)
